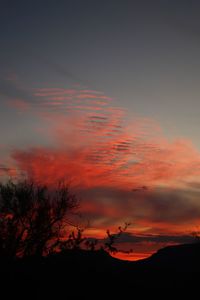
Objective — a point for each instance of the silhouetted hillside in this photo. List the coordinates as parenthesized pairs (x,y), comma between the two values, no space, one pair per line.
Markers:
(78,273)
(184,258)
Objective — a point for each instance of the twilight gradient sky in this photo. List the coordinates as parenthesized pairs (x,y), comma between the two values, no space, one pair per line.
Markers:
(106,94)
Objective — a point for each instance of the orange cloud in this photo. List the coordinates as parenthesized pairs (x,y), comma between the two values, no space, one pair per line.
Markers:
(108,159)
(96,147)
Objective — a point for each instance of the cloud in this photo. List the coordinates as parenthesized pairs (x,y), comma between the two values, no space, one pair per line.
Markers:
(143,246)
(166,209)
(60,100)
(79,97)
(56,92)
(175,206)
(107,156)
(107,199)
(11,172)
(130,238)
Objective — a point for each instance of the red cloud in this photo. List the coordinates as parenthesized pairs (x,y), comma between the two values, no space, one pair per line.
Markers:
(103,157)
(96,147)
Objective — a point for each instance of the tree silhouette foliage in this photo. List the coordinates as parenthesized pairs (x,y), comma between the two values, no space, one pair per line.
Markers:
(109,244)
(76,241)
(32,217)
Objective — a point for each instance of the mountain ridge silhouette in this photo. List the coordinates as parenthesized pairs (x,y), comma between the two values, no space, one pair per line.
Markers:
(78,272)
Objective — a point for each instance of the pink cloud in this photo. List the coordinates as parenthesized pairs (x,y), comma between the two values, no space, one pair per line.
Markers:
(101,140)
(121,160)
(48,92)
(92,96)
(99,147)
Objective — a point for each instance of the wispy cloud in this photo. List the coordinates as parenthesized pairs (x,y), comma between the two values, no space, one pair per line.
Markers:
(106,147)
(107,155)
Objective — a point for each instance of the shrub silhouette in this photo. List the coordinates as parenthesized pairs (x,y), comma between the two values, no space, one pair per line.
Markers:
(91,244)
(32,217)
(76,241)
(112,237)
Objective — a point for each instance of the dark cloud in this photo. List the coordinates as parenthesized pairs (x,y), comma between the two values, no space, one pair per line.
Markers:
(173,206)
(194,185)
(127,237)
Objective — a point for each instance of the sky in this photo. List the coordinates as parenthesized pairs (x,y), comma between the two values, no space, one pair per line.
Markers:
(105,95)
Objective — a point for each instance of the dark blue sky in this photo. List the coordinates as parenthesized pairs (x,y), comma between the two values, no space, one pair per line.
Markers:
(143,53)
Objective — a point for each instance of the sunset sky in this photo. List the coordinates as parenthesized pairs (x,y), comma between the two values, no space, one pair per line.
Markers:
(105,95)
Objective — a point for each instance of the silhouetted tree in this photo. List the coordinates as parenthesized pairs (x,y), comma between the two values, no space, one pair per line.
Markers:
(111,238)
(32,217)
(196,235)
(74,240)
(91,244)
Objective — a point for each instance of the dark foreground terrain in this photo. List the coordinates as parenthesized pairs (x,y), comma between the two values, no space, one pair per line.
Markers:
(96,275)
